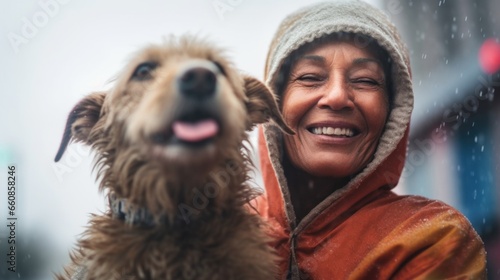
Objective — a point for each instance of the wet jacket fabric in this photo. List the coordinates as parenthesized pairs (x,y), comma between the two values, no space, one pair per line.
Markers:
(363,230)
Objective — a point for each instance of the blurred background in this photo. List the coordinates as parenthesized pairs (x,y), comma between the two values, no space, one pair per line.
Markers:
(54,52)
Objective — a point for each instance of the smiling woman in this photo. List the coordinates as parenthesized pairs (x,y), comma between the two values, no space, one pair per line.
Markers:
(343,76)
(336,99)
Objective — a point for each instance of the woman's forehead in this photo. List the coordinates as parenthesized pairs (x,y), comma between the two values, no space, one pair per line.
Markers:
(345,47)
(340,51)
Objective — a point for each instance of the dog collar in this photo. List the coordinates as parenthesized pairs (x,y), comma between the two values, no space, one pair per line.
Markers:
(122,210)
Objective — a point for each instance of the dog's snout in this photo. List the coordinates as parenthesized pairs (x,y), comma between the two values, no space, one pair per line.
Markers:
(198,82)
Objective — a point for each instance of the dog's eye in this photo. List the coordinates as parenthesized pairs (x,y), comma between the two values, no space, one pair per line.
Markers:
(144,71)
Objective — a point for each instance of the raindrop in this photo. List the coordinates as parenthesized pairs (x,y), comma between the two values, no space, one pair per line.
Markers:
(440,3)
(473,123)
(310,185)
(446,61)
(475,194)
(465,18)
(458,167)
(454,19)
(452,36)
(484,221)
(475,139)
(491,94)
(482,148)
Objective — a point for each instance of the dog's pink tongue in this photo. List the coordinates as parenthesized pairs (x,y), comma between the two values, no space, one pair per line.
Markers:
(197,131)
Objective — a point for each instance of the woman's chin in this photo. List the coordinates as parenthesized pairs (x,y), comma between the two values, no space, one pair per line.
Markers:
(333,163)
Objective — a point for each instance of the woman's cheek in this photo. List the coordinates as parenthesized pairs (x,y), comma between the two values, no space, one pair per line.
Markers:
(294,108)
(378,115)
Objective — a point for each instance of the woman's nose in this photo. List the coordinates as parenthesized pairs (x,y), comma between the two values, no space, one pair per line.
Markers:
(336,97)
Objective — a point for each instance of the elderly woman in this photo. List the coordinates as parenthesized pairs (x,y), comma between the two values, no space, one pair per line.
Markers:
(343,77)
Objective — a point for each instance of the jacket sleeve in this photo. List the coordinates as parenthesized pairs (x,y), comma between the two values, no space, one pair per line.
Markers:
(437,242)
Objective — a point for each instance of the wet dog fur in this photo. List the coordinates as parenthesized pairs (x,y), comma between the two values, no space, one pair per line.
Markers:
(194,195)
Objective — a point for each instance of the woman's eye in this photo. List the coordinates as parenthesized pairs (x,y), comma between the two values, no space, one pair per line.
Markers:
(310,78)
(144,71)
(366,81)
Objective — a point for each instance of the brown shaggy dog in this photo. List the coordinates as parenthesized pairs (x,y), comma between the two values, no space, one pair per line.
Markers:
(169,146)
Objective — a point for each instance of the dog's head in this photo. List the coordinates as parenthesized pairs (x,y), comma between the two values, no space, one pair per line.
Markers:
(180,104)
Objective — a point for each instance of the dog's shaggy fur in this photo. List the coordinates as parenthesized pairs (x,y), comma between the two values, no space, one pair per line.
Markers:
(182,207)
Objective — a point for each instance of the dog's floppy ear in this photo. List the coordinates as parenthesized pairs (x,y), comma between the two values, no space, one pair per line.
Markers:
(81,120)
(261,105)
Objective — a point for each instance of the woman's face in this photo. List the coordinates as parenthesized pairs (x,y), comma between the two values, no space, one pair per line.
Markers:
(336,101)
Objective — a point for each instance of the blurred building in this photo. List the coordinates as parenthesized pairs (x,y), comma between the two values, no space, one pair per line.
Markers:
(454,151)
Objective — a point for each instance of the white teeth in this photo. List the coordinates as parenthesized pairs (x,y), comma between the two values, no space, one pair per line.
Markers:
(333,131)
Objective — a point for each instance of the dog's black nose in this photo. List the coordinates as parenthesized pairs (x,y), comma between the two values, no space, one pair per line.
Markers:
(197,82)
